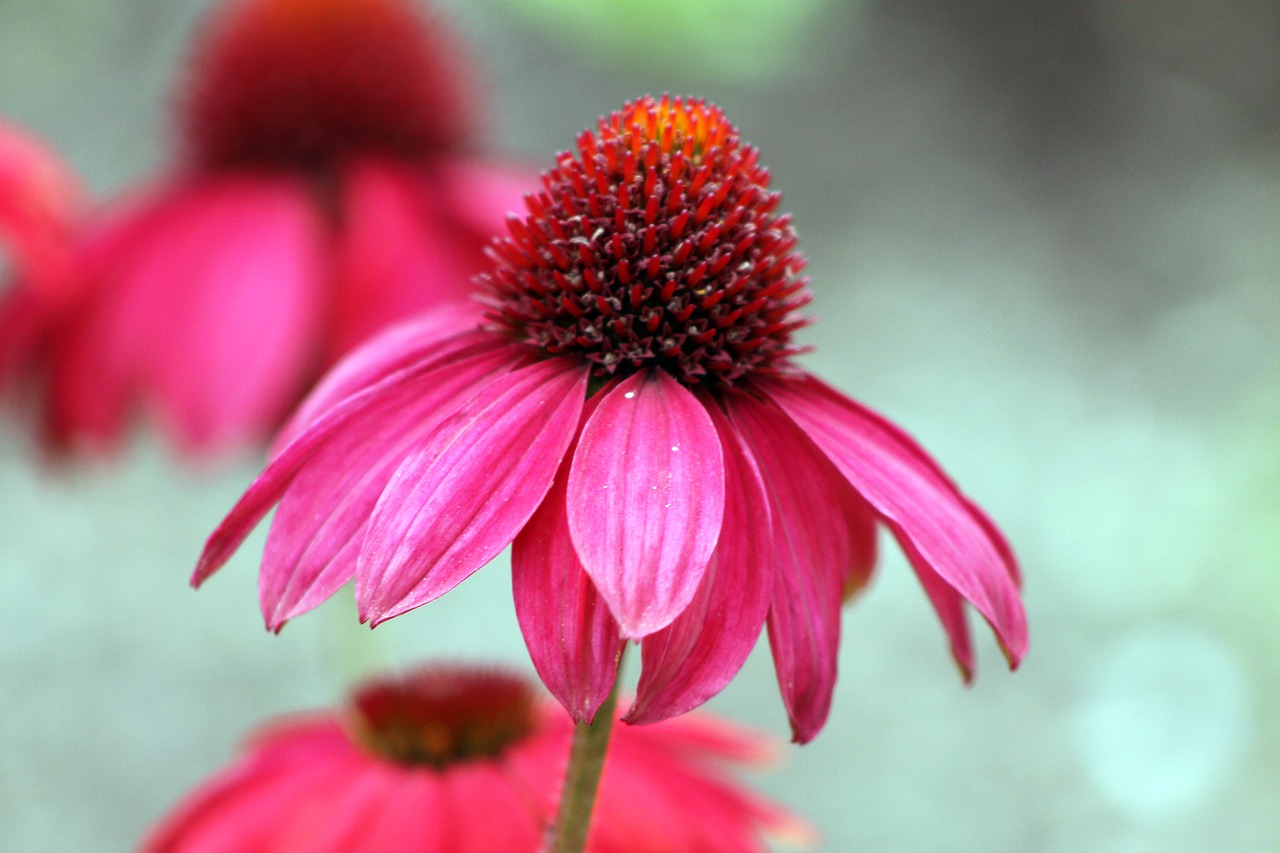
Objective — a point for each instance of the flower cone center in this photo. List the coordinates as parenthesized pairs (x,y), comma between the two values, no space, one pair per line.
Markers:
(440,716)
(656,244)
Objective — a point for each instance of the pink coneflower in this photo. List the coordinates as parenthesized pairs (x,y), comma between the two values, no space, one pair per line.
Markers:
(629,414)
(324,188)
(454,759)
(41,202)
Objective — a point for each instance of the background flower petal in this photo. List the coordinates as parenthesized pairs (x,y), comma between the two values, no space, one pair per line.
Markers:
(397,254)
(223,355)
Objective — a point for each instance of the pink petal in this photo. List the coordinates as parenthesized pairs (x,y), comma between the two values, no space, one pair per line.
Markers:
(462,497)
(694,657)
(646,499)
(94,352)
(490,812)
(573,640)
(242,807)
(398,255)
(234,332)
(435,336)
(706,739)
(315,536)
(480,195)
(817,522)
(268,488)
(24,322)
(41,200)
(203,301)
(949,606)
(922,505)
(412,816)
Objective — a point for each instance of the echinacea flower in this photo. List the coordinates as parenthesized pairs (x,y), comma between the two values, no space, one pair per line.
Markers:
(41,202)
(324,188)
(629,414)
(456,759)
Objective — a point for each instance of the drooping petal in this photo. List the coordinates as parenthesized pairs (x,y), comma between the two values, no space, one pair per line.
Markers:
(908,489)
(572,638)
(24,323)
(204,303)
(695,656)
(227,349)
(316,533)
(271,485)
(465,492)
(41,200)
(94,353)
(949,606)
(646,499)
(431,337)
(397,255)
(817,519)
(862,523)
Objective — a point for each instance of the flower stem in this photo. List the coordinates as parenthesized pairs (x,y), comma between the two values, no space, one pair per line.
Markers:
(582,779)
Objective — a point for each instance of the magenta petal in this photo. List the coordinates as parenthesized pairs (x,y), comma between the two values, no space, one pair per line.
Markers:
(694,657)
(481,195)
(397,254)
(415,344)
(817,523)
(573,640)
(949,606)
(226,353)
(40,202)
(646,499)
(323,517)
(271,485)
(922,505)
(464,494)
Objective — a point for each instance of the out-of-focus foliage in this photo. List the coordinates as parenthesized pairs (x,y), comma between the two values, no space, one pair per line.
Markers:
(730,38)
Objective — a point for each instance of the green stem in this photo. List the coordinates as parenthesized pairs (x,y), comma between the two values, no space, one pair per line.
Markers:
(582,779)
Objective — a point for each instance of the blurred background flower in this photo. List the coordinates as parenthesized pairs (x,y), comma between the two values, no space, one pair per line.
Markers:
(1044,228)
(325,186)
(461,758)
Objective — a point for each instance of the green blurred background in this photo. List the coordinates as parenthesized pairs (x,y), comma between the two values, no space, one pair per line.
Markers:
(1043,237)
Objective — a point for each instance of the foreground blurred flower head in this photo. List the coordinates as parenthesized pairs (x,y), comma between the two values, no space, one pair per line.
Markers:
(41,203)
(456,759)
(630,416)
(324,189)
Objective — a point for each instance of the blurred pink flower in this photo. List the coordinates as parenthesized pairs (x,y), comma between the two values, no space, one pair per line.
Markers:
(454,759)
(325,188)
(41,203)
(629,415)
